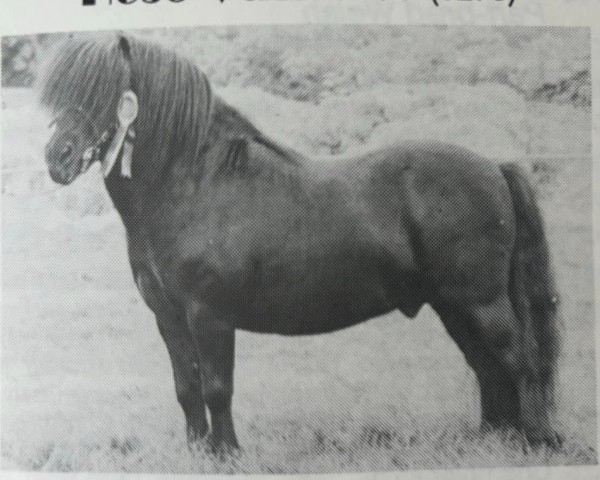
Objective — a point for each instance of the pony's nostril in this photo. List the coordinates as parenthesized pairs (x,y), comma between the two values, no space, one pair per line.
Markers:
(66,151)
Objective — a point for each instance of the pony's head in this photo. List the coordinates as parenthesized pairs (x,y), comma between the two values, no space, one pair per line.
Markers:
(101,88)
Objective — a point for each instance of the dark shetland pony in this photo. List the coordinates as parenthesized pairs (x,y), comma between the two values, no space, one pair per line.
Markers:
(227,230)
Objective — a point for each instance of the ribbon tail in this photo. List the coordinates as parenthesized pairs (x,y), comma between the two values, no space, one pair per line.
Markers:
(113,151)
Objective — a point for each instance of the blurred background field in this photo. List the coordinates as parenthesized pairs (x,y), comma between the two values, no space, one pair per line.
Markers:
(86,381)
(502,91)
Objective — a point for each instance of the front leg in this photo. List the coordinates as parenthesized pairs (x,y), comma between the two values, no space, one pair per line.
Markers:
(216,345)
(182,350)
(186,372)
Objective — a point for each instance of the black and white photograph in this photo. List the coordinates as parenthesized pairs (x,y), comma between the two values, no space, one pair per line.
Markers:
(296,249)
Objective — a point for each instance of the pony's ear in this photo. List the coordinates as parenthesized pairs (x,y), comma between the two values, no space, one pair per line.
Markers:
(125,46)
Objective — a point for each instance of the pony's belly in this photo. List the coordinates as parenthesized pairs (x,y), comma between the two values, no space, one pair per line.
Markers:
(291,299)
(298,306)
(294,296)
(310,312)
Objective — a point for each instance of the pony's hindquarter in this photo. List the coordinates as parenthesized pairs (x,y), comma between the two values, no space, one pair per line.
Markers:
(534,298)
(510,339)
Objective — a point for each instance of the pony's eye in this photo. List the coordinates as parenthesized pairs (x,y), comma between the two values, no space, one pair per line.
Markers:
(51,130)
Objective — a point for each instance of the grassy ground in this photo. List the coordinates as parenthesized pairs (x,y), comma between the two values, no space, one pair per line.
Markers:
(86,381)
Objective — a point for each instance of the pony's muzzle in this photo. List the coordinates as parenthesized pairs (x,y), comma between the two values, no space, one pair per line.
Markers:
(60,163)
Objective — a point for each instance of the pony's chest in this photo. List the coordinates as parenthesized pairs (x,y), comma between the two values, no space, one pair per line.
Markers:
(148,275)
(179,258)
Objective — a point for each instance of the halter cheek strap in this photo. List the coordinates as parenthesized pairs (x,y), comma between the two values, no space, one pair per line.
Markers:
(124,136)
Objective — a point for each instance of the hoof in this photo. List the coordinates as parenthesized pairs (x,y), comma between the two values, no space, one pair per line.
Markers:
(209,446)
(198,447)
(197,439)
(487,427)
(551,440)
(224,450)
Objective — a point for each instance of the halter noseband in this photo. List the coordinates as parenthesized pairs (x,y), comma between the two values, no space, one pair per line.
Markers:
(100,145)
(116,140)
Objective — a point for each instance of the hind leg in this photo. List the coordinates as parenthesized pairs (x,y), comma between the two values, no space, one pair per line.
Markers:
(514,348)
(499,398)
(498,392)
(503,354)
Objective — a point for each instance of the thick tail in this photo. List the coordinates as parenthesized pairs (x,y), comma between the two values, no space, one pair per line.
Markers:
(533,291)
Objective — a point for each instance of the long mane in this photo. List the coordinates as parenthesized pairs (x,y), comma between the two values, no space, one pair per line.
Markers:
(91,71)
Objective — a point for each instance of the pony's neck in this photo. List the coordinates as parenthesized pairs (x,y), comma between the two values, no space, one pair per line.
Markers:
(124,195)
(134,197)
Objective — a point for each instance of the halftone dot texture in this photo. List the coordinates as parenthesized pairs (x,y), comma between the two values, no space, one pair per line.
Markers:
(86,379)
